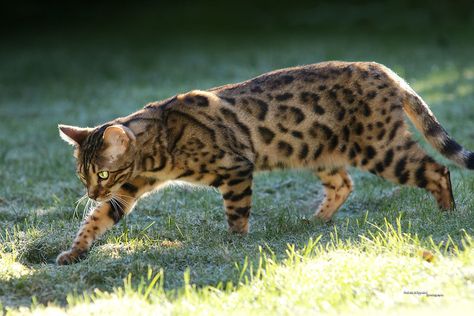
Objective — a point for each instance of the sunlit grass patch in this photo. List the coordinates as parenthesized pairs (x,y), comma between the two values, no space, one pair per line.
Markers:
(387,270)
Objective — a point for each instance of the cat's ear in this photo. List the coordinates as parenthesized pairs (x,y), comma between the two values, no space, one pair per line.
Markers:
(118,139)
(72,134)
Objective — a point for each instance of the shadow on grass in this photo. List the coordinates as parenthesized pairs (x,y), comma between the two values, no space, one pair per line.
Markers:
(208,251)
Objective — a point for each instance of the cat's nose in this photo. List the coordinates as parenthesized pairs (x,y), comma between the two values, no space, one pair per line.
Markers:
(92,194)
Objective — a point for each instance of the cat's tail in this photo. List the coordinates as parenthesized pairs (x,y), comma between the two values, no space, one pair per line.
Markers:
(425,121)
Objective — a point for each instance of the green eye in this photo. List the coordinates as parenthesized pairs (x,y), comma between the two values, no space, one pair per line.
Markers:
(103,174)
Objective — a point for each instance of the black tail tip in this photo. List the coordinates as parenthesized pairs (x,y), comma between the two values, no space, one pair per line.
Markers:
(470,161)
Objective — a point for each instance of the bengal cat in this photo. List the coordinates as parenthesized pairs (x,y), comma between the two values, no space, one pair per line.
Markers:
(321,117)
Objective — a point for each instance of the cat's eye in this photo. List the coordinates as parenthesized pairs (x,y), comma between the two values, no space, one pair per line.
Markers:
(103,175)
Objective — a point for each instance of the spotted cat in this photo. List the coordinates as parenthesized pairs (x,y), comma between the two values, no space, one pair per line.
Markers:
(322,117)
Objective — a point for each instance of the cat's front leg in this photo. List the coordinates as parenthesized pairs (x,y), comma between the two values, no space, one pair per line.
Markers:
(97,222)
(105,216)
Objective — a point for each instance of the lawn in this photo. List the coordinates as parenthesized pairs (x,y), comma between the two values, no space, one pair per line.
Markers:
(389,248)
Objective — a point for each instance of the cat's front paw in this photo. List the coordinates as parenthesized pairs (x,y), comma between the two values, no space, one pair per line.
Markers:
(70,256)
(323,216)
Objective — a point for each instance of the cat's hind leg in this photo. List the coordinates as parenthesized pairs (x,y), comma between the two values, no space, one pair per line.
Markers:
(407,163)
(337,185)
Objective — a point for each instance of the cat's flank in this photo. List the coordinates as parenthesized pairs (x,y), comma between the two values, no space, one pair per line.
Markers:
(323,117)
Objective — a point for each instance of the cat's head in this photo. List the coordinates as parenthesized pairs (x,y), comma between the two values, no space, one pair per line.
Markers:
(105,157)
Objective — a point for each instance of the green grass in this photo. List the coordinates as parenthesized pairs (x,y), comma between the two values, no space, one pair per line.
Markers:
(173,254)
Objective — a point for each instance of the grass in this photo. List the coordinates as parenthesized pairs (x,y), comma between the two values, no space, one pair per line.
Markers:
(173,254)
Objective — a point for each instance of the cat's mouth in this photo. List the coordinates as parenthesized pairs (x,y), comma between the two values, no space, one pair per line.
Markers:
(101,195)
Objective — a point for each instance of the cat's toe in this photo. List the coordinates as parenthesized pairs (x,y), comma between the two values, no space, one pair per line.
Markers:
(64,258)
(68,257)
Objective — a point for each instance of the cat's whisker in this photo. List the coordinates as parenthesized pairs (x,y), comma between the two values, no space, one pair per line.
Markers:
(90,205)
(79,202)
(119,196)
(81,199)
(116,204)
(121,201)
(125,202)
(122,197)
(112,202)
(86,208)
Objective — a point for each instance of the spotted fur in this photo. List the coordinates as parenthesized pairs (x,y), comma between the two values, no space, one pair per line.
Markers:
(322,117)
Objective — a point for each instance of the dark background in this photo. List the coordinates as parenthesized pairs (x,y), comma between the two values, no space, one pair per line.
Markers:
(157,20)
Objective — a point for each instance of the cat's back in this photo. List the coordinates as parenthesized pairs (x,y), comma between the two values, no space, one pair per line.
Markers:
(290,116)
(320,75)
